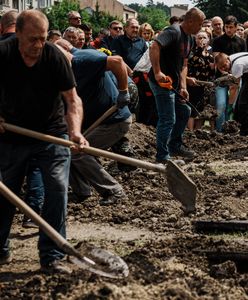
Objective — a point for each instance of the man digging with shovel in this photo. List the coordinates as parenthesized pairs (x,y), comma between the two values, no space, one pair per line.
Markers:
(99,92)
(34,74)
(237,65)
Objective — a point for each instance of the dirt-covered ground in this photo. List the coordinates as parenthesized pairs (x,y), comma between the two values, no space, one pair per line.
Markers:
(167,257)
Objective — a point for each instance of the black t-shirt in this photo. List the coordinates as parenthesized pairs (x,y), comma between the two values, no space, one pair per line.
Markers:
(228,45)
(130,50)
(30,96)
(175,47)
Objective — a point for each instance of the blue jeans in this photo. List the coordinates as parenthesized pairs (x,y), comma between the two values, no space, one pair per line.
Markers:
(54,163)
(172,121)
(221,98)
(35,188)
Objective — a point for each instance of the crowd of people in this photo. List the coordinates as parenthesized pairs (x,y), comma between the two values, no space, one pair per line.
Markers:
(60,83)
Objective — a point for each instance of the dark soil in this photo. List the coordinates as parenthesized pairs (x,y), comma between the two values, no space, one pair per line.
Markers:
(167,258)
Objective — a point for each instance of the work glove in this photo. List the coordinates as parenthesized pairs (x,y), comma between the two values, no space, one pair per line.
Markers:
(123,99)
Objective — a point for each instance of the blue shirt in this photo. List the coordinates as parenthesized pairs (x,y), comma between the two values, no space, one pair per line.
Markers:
(95,87)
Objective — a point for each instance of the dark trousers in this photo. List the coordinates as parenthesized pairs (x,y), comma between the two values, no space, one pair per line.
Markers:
(54,163)
(241,108)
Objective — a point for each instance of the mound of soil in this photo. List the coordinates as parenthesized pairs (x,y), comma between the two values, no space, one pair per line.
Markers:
(167,258)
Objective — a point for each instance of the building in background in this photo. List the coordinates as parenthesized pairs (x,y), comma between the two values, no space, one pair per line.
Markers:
(112,7)
(20,5)
(179,9)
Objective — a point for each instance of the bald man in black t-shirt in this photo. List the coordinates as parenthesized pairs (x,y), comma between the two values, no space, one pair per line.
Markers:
(34,75)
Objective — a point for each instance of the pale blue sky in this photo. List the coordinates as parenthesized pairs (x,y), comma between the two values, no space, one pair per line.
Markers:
(166,2)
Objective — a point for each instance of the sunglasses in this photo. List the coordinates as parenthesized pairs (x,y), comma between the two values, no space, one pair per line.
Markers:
(75,18)
(116,28)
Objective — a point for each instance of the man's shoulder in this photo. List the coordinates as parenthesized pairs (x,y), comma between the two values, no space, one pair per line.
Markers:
(51,48)
(120,39)
(13,42)
(88,53)
(9,49)
(170,34)
(220,38)
(239,40)
(7,36)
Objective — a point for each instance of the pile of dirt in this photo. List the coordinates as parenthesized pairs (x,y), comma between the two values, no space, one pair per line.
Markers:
(167,258)
(208,113)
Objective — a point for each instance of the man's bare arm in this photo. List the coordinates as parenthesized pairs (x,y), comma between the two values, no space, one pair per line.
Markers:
(183,79)
(233,92)
(119,69)
(74,116)
(154,53)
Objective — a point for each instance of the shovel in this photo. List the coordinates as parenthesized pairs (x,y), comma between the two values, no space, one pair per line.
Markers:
(179,183)
(168,85)
(107,113)
(225,80)
(101,262)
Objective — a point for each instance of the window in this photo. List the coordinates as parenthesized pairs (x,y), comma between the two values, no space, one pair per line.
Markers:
(4,2)
(41,3)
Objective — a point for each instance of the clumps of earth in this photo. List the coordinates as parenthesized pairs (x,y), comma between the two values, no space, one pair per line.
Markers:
(208,113)
(167,257)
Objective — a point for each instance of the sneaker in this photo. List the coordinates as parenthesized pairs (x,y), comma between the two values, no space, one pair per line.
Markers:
(184,152)
(28,223)
(5,259)
(113,199)
(56,266)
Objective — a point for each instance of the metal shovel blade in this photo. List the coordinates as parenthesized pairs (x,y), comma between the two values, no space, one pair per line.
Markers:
(107,264)
(181,186)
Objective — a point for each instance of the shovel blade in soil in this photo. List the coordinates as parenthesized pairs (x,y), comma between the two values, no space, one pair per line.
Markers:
(106,264)
(181,186)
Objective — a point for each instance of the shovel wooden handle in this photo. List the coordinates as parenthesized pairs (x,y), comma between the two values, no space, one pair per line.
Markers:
(89,150)
(179,187)
(107,114)
(43,225)
(207,83)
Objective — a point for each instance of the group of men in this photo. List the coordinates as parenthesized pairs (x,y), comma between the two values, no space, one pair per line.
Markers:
(54,107)
(43,88)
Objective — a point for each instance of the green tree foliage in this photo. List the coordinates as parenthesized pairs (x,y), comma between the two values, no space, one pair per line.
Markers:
(223,8)
(135,6)
(161,5)
(100,20)
(57,16)
(154,16)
